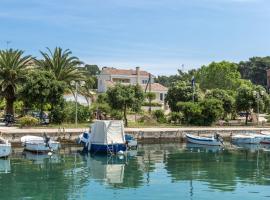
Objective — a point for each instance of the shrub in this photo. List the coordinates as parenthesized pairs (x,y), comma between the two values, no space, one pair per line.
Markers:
(153,104)
(159,116)
(83,112)
(28,121)
(116,114)
(147,119)
(176,117)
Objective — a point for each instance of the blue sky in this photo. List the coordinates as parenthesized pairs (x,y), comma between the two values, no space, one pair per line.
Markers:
(158,35)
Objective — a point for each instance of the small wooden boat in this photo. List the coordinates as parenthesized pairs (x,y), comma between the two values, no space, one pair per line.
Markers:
(5,147)
(39,144)
(215,140)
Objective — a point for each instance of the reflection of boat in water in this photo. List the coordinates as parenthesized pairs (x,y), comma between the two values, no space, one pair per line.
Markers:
(215,140)
(5,147)
(4,165)
(106,169)
(202,148)
(40,158)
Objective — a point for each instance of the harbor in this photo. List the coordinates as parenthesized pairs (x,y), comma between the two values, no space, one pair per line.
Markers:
(143,135)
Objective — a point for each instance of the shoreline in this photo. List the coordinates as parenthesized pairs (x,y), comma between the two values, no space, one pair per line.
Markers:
(143,135)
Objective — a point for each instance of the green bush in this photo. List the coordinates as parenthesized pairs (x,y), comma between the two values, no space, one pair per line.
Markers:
(116,114)
(28,121)
(153,104)
(83,112)
(176,117)
(159,116)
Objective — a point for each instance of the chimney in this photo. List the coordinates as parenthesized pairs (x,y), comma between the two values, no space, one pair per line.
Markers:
(138,74)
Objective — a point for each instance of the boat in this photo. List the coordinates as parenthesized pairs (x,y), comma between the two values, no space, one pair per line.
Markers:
(5,147)
(250,138)
(266,137)
(107,136)
(215,140)
(39,144)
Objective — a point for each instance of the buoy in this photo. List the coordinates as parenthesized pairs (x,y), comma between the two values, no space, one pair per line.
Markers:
(50,153)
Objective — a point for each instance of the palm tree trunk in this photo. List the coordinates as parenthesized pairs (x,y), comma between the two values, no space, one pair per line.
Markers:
(10,105)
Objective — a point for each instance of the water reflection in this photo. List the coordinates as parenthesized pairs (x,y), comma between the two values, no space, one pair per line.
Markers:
(203,148)
(40,159)
(153,171)
(4,166)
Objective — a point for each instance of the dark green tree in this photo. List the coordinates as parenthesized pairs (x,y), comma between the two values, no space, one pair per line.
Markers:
(124,97)
(181,92)
(228,101)
(222,75)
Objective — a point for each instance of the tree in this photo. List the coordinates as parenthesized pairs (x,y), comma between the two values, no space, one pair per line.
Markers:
(255,70)
(245,100)
(13,72)
(212,110)
(91,70)
(150,96)
(62,64)
(222,75)
(191,111)
(226,99)
(123,97)
(181,92)
(41,88)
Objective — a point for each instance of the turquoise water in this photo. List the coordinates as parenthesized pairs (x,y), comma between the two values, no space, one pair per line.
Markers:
(153,172)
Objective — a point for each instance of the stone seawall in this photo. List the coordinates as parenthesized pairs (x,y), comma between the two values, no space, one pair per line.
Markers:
(143,135)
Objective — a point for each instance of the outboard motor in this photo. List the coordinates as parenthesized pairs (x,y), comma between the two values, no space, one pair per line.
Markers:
(84,139)
(46,139)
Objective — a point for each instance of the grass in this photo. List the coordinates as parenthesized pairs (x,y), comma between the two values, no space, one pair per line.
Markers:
(64,125)
(132,124)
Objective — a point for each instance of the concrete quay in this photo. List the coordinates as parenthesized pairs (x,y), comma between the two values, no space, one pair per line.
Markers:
(144,135)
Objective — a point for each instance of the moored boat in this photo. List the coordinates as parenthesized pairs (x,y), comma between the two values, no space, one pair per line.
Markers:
(215,140)
(5,147)
(266,137)
(39,144)
(107,136)
(251,138)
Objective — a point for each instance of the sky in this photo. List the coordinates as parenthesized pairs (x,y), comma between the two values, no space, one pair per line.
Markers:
(160,36)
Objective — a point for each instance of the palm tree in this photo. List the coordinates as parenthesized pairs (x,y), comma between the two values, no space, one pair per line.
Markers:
(12,72)
(62,64)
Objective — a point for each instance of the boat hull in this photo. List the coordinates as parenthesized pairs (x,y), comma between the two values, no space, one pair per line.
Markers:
(41,147)
(113,148)
(246,140)
(5,150)
(202,141)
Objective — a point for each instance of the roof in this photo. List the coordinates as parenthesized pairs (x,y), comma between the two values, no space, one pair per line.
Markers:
(114,71)
(155,87)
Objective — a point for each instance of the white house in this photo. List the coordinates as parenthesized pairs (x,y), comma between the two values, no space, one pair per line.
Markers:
(110,76)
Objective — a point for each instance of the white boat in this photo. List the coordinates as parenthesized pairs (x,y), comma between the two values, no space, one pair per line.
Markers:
(5,147)
(266,137)
(131,141)
(215,140)
(247,139)
(107,136)
(39,144)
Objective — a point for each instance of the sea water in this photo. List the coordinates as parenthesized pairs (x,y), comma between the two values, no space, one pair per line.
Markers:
(154,171)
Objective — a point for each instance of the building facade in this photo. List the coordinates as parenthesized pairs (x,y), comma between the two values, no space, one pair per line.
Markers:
(110,76)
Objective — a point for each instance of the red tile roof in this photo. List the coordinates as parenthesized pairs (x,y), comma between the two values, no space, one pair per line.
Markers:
(114,71)
(155,87)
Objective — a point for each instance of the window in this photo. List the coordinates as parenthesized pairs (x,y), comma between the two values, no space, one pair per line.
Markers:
(161,96)
(144,81)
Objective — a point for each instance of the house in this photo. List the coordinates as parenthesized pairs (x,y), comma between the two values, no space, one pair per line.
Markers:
(110,76)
